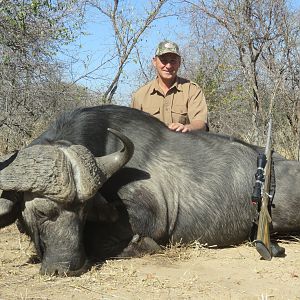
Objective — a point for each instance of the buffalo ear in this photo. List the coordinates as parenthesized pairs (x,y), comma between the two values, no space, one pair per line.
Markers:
(9,207)
(9,212)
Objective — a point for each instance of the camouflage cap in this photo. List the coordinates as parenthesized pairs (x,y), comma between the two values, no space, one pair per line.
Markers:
(167,47)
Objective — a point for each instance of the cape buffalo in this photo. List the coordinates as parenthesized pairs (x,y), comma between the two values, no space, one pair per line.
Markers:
(70,194)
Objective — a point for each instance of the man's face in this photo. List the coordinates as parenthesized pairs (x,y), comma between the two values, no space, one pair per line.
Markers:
(167,66)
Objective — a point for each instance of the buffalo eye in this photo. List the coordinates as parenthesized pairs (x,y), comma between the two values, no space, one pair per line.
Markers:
(46,211)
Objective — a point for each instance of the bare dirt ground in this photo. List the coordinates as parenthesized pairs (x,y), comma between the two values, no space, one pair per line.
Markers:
(177,273)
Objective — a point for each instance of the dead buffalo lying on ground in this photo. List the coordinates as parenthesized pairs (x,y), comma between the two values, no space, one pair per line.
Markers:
(78,207)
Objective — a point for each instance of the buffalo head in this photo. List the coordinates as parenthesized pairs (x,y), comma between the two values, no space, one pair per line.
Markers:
(49,189)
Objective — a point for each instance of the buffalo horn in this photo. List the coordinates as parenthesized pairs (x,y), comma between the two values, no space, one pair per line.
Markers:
(111,163)
(7,160)
(41,169)
(61,173)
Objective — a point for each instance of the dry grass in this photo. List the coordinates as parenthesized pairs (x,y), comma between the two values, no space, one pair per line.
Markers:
(179,272)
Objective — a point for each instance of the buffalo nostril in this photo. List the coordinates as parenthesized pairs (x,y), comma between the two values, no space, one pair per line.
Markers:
(63,269)
(53,272)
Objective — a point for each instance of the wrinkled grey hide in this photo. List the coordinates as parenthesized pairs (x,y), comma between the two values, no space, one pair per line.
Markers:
(178,187)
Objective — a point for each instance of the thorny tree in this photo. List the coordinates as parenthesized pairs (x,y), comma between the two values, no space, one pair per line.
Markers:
(31,33)
(263,37)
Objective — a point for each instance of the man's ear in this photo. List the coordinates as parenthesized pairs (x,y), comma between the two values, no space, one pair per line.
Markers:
(154,59)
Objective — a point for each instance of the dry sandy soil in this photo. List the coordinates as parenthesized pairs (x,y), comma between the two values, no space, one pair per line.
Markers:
(177,273)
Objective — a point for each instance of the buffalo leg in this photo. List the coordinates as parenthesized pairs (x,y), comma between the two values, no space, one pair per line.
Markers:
(139,246)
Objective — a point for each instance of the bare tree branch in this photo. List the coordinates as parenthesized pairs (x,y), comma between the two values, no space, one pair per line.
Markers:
(127,32)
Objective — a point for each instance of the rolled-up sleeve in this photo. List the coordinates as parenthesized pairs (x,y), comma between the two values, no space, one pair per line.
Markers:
(197,107)
(135,103)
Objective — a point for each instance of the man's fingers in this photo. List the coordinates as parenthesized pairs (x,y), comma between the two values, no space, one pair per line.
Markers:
(179,127)
(174,126)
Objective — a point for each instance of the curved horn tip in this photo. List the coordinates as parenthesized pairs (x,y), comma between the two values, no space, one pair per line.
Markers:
(122,137)
(111,163)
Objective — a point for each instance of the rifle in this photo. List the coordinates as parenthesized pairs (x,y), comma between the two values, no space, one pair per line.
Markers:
(263,197)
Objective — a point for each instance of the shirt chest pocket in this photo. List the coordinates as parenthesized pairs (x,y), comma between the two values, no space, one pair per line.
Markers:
(152,110)
(179,114)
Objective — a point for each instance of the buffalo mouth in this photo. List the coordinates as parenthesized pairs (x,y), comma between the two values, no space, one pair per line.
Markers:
(75,265)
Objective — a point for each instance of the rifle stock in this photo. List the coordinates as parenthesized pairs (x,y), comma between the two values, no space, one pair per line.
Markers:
(262,242)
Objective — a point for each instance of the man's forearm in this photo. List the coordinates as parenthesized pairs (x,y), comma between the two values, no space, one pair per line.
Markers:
(197,125)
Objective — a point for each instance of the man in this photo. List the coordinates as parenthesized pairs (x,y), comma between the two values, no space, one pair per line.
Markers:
(176,101)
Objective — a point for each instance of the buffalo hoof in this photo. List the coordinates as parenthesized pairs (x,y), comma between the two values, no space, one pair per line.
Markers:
(140,246)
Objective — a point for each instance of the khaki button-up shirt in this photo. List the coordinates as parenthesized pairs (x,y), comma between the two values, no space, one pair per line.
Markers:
(183,103)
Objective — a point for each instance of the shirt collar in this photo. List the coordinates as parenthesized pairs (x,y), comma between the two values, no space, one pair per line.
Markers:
(156,88)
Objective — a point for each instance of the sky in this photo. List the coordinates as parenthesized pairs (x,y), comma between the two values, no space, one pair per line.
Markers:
(96,46)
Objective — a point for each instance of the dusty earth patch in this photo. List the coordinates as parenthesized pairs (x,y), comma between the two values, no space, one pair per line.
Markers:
(177,273)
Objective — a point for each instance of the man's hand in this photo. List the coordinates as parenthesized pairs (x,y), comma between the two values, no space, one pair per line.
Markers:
(195,125)
(180,127)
